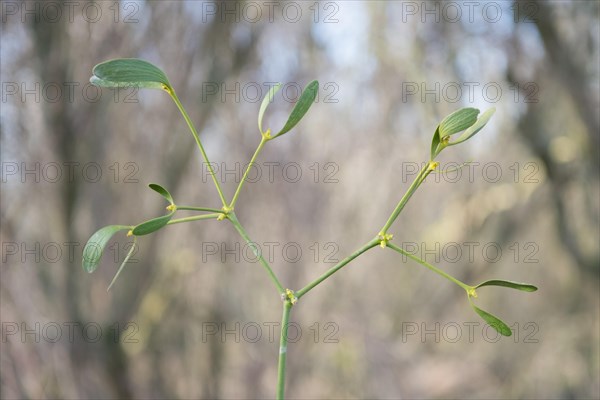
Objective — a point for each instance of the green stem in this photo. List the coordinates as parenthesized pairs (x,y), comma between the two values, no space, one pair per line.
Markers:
(426,170)
(194,218)
(431,267)
(231,216)
(216,210)
(334,269)
(287,307)
(197,138)
(239,188)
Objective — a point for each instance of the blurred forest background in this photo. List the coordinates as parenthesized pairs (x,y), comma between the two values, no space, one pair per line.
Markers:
(184,320)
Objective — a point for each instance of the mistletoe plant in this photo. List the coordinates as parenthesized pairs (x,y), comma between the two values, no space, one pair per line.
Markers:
(137,73)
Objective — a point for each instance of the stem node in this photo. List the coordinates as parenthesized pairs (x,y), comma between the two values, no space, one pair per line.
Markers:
(226,211)
(384,238)
(290,296)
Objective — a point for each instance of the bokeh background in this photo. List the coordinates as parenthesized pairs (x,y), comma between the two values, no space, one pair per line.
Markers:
(193,316)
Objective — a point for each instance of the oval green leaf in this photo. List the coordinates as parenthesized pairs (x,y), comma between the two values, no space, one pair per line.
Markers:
(473,129)
(509,284)
(127,257)
(162,191)
(129,72)
(265,103)
(308,96)
(152,225)
(493,321)
(458,121)
(92,252)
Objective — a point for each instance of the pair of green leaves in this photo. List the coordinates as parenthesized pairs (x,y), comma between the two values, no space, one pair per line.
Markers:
(465,120)
(308,96)
(156,223)
(492,320)
(94,248)
(133,72)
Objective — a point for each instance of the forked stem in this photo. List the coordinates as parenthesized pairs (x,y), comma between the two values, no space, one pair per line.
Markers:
(214,210)
(239,188)
(369,245)
(426,170)
(283,340)
(431,267)
(197,138)
(232,217)
(194,218)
